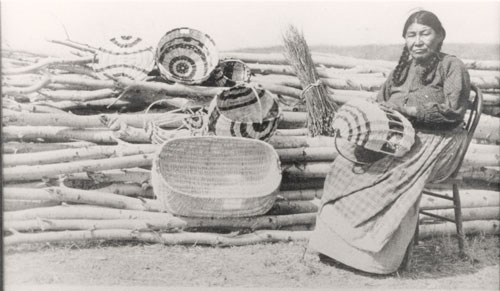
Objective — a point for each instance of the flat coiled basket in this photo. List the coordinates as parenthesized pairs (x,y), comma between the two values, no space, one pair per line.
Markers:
(186,56)
(210,176)
(124,56)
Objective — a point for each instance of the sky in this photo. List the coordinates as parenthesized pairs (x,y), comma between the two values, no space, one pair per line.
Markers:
(239,24)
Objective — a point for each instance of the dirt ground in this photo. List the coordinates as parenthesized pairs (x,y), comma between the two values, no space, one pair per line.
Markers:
(436,265)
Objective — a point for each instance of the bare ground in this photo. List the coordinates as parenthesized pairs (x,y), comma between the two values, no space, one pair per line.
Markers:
(436,265)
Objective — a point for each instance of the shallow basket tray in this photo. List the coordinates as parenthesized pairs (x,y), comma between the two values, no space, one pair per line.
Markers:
(208,176)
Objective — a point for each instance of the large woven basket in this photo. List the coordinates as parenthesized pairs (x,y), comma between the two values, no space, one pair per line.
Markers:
(374,127)
(211,176)
(186,55)
(124,56)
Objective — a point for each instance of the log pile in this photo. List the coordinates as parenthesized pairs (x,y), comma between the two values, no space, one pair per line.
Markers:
(77,154)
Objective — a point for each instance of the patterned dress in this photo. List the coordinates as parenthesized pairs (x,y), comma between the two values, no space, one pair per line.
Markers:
(368,214)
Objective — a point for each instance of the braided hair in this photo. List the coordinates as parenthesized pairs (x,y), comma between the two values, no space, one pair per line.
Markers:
(401,71)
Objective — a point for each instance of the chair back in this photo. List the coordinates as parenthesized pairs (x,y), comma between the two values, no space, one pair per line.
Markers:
(475,110)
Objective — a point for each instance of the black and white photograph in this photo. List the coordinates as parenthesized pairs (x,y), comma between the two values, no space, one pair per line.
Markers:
(250,145)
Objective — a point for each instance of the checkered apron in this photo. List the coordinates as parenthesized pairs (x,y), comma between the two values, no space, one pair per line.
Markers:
(370,201)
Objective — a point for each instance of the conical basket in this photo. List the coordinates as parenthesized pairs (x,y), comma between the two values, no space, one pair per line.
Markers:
(244,111)
(210,176)
(186,55)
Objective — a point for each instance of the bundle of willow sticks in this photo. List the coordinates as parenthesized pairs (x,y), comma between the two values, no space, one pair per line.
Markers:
(77,156)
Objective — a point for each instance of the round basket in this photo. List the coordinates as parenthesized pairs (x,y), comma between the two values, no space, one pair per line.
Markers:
(124,56)
(186,55)
(211,176)
(244,111)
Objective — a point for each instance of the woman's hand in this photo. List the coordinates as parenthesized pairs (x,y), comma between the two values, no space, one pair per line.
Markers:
(408,110)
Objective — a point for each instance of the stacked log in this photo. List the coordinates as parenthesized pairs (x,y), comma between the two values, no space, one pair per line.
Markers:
(77,158)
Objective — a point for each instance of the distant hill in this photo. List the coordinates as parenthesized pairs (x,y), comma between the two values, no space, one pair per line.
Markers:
(392,52)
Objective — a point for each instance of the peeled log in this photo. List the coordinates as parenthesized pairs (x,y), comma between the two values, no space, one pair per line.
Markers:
(132,175)
(87,121)
(171,223)
(328,60)
(307,154)
(24,147)
(490,175)
(30,173)
(306,170)
(135,190)
(252,223)
(267,69)
(83,212)
(492,110)
(66,134)
(294,183)
(468,214)
(17,192)
(280,142)
(184,238)
(482,65)
(293,207)
(303,195)
(56,134)
(470,198)
(91,197)
(17,204)
(347,62)
(79,95)
(46,62)
(469,227)
(66,155)
(63,106)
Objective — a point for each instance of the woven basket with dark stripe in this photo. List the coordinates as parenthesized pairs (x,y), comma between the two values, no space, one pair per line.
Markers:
(374,127)
(124,57)
(211,176)
(186,55)
(244,111)
(229,73)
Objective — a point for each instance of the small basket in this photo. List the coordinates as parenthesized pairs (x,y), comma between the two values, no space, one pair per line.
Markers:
(244,111)
(229,73)
(124,56)
(186,56)
(236,70)
(211,176)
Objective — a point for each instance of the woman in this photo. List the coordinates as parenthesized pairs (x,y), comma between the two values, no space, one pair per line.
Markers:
(368,218)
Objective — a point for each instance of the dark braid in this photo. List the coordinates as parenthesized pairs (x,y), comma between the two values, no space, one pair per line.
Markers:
(401,70)
(431,67)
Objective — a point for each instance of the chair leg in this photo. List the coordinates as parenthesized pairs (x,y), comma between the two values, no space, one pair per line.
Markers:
(458,219)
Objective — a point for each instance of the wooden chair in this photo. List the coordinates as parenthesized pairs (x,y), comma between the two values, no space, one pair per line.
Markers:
(475,111)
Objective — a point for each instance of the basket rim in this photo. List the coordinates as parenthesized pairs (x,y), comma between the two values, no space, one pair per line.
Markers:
(269,147)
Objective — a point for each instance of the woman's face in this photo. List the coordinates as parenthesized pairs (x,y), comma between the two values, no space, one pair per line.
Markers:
(422,41)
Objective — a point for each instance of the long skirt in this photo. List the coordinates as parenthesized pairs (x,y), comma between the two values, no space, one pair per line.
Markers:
(368,214)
